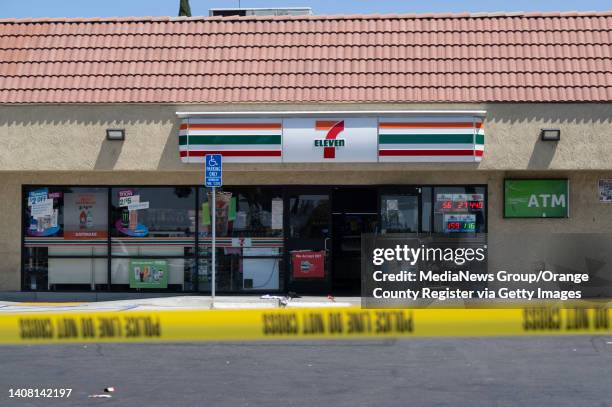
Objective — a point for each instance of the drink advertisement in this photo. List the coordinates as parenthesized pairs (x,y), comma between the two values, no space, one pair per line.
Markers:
(130,204)
(225,215)
(85,215)
(148,273)
(308,264)
(43,209)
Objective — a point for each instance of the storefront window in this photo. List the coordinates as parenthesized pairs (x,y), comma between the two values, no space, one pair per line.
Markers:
(153,232)
(149,212)
(399,213)
(152,236)
(249,230)
(149,221)
(460,209)
(309,216)
(250,212)
(65,237)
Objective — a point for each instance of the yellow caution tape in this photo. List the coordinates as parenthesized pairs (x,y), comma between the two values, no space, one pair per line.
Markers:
(303,324)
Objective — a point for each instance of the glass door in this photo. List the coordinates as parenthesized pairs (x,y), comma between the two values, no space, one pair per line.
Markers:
(308,239)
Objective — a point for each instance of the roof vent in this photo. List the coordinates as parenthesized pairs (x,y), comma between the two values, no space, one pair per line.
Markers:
(286,11)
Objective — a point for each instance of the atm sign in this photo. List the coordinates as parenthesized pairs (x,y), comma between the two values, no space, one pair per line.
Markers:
(536,198)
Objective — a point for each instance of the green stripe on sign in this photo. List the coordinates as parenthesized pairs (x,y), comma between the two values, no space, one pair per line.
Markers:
(248,139)
(480,139)
(426,138)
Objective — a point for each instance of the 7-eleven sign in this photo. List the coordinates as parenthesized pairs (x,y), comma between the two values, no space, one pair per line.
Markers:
(330,140)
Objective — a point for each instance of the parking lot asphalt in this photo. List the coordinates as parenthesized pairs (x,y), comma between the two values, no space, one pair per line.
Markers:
(521,371)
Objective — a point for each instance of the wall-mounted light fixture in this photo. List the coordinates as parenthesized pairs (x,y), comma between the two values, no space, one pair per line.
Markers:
(550,134)
(115,134)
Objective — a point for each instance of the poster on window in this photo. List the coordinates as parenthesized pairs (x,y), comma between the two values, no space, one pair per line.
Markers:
(148,273)
(308,264)
(85,215)
(128,223)
(605,190)
(43,209)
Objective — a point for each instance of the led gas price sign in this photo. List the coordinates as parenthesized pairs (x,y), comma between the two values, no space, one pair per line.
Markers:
(459,202)
(459,223)
(461,205)
(459,211)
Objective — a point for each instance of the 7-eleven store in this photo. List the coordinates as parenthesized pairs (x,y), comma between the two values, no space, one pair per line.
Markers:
(299,190)
(312,232)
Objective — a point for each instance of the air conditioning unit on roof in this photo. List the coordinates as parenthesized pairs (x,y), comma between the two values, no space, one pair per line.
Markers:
(286,11)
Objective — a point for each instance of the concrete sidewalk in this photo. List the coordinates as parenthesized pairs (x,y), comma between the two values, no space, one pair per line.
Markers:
(182,302)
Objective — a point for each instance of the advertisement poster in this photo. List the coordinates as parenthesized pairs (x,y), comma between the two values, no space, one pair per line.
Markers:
(85,215)
(308,264)
(536,198)
(130,205)
(148,273)
(605,190)
(44,213)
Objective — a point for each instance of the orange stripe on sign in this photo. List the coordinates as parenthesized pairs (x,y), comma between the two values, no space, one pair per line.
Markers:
(231,126)
(324,125)
(431,125)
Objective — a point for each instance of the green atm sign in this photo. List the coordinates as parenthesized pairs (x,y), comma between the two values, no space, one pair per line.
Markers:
(536,198)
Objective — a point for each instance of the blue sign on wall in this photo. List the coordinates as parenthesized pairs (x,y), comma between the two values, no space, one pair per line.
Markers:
(213,175)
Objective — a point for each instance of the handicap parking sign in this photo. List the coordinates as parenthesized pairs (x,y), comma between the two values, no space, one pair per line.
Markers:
(212,177)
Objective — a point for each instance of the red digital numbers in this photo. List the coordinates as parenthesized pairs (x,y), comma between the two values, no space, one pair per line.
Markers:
(453,225)
(461,205)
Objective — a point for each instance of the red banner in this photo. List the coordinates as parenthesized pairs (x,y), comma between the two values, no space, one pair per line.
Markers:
(308,264)
(89,234)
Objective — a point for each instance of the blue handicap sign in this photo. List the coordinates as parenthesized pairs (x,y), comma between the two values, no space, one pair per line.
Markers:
(214,170)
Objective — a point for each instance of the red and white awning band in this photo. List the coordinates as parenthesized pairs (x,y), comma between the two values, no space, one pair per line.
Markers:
(391,139)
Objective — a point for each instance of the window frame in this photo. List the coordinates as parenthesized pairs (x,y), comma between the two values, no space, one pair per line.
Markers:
(195,256)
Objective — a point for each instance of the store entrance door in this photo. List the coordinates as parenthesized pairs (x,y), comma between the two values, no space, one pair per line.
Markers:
(308,238)
(354,211)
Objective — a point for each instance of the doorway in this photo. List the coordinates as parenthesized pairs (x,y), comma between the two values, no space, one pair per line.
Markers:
(324,227)
(354,211)
(308,236)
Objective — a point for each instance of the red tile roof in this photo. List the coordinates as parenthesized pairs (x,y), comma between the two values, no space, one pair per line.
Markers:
(539,57)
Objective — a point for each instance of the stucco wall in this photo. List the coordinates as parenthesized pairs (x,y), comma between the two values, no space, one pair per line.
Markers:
(586,214)
(72,137)
(66,144)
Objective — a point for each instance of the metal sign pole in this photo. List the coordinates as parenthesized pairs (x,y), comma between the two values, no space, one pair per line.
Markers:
(214,242)
(213,178)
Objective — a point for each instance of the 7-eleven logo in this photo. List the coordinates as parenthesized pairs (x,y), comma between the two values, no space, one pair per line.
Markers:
(329,144)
